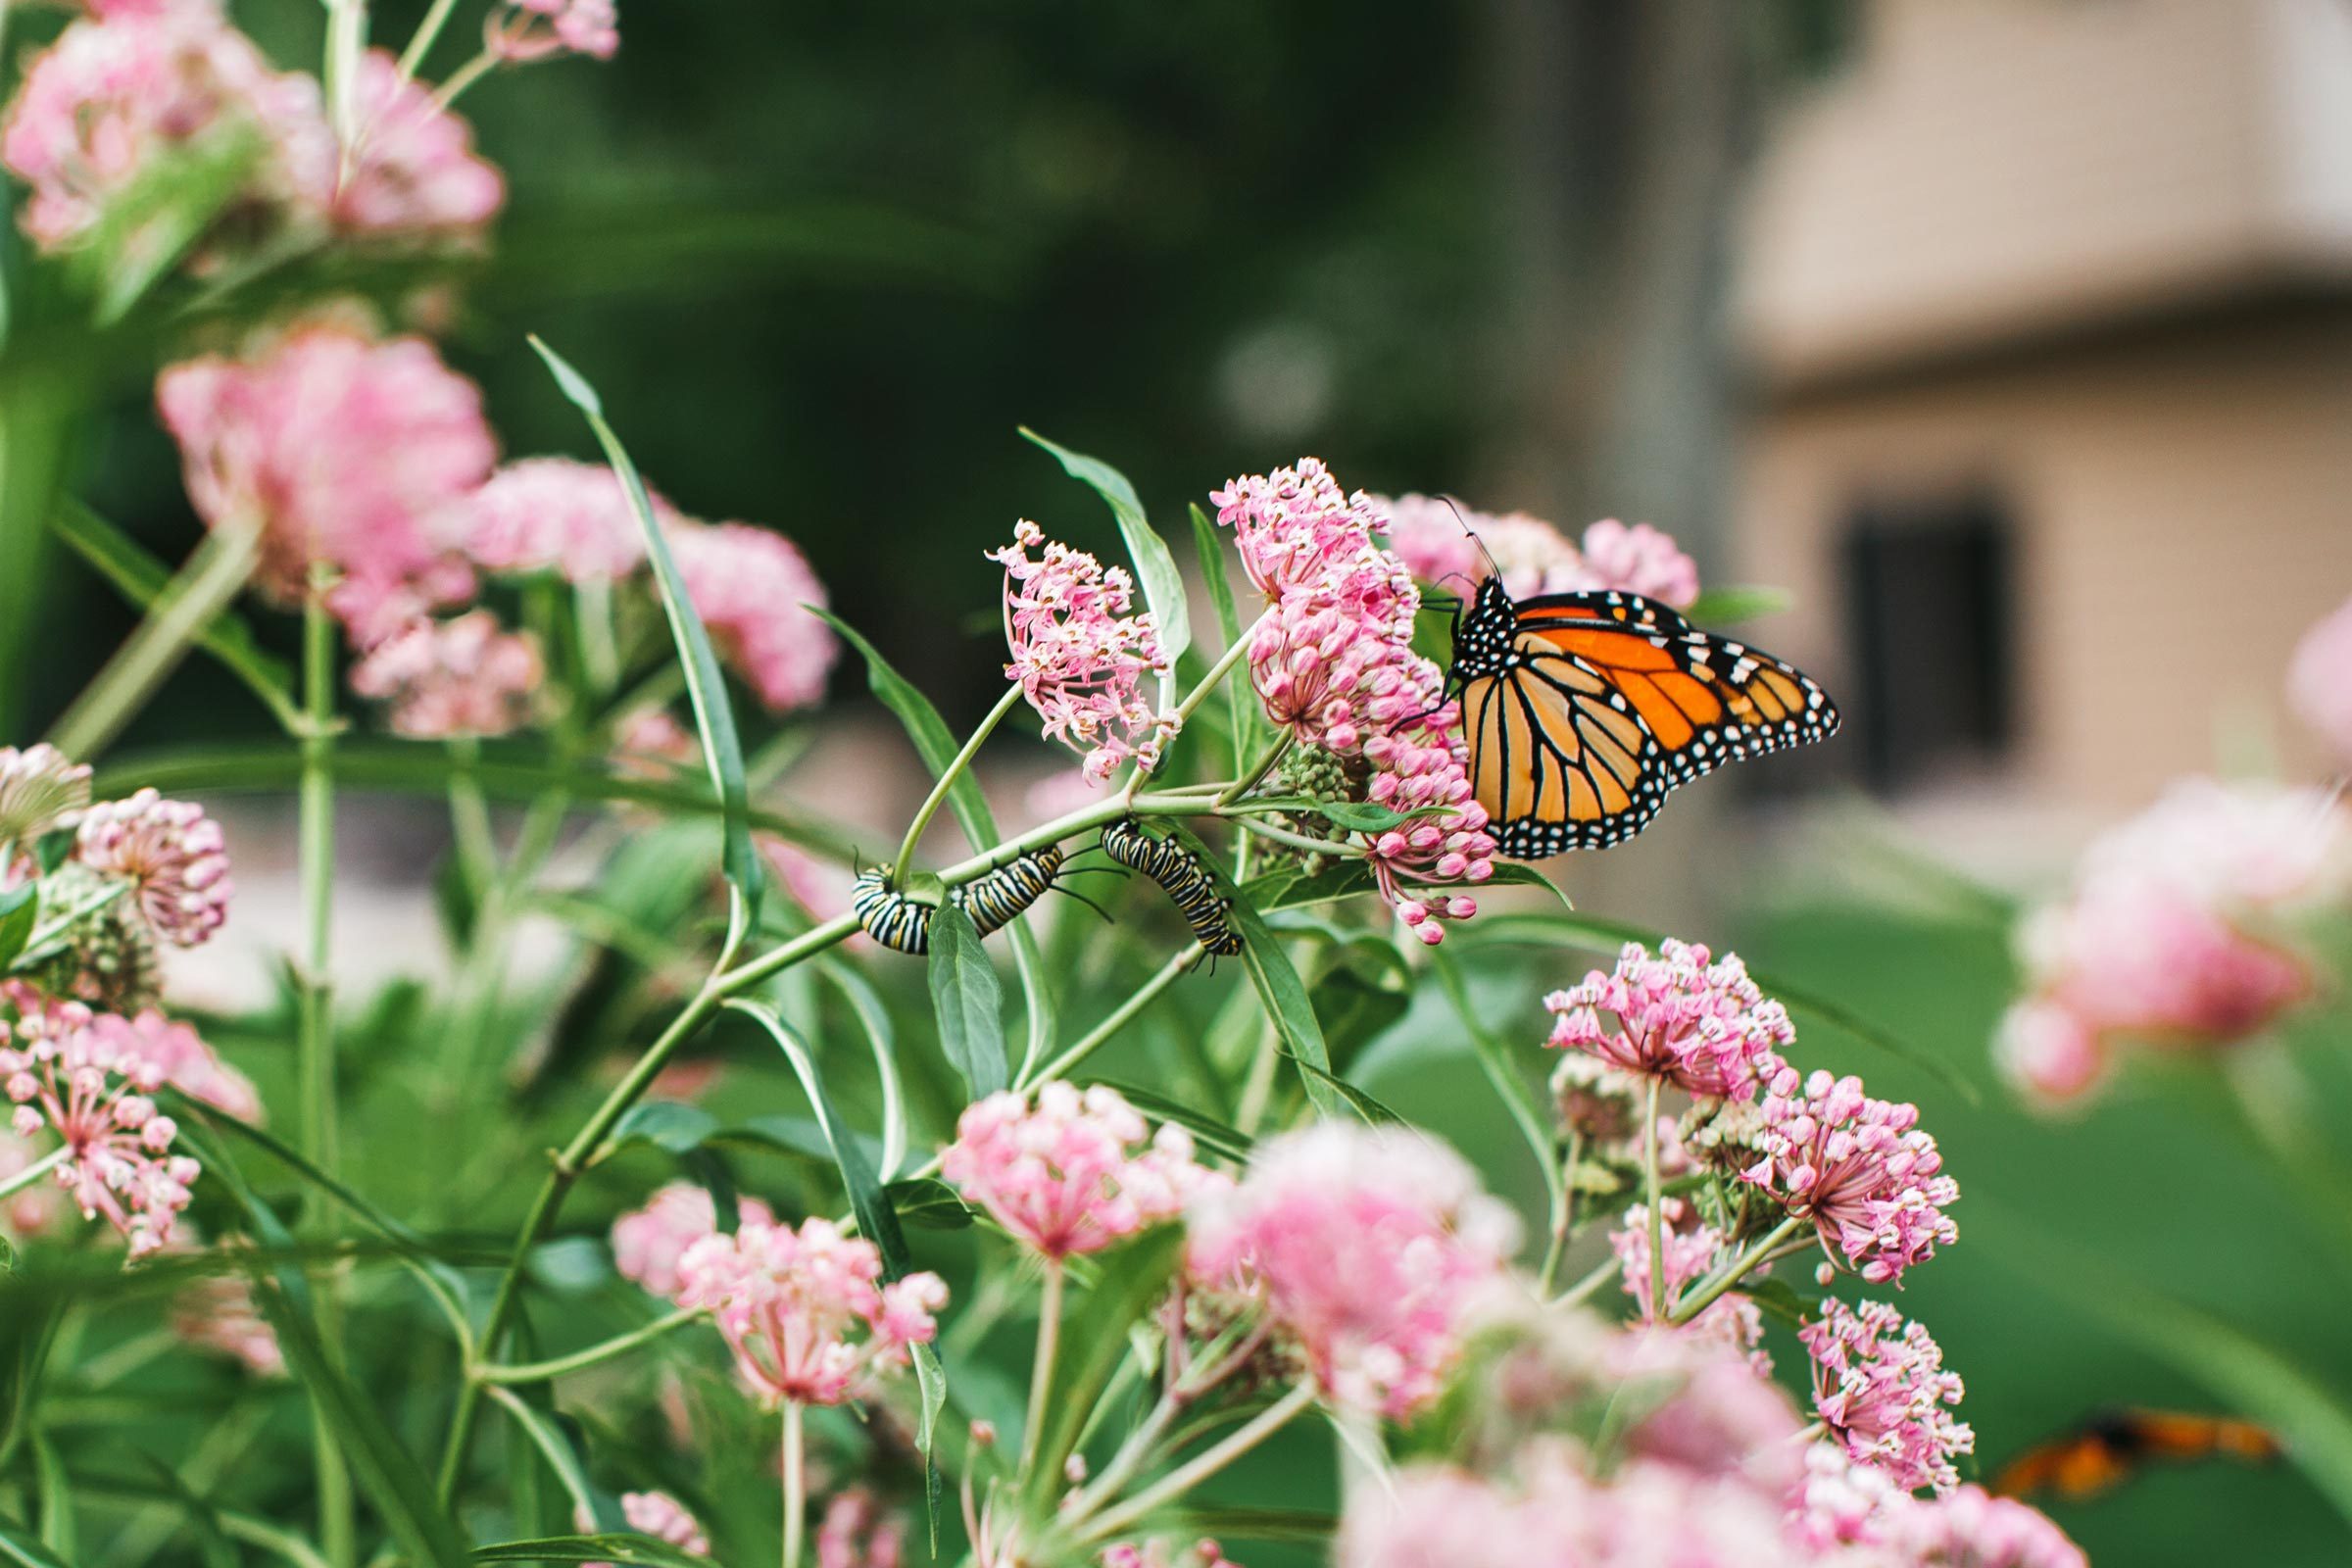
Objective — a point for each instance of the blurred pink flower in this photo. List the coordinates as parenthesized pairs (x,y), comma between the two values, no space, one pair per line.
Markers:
(1880,1386)
(821,888)
(79,1084)
(1693,1252)
(1684,1016)
(414,172)
(444,679)
(41,790)
(661,1516)
(1971,1528)
(190,1065)
(1367,1247)
(649,1241)
(1639,559)
(750,586)
(1078,653)
(217,1313)
(1842,1502)
(802,1310)
(172,854)
(1859,1168)
(1712,1409)
(2319,681)
(1439,541)
(340,450)
(32,1210)
(2047,1049)
(523,30)
(650,742)
(556,514)
(1162,1553)
(856,1533)
(115,97)
(1074,1173)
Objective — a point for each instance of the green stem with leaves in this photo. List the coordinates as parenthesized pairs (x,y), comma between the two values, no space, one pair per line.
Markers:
(1563,1216)
(1736,1270)
(947,781)
(1185,1477)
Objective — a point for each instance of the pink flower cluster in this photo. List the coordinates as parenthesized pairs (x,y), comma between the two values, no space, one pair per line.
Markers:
(1696,1022)
(1367,1248)
(120,93)
(522,31)
(1880,1386)
(2319,681)
(1332,660)
(1871,1181)
(172,854)
(802,1310)
(41,790)
(1079,655)
(1075,1173)
(750,586)
(2179,930)
(1532,556)
(1693,1252)
(178,1051)
(661,1516)
(556,514)
(463,677)
(856,1533)
(82,1084)
(648,1243)
(1161,1553)
(217,1313)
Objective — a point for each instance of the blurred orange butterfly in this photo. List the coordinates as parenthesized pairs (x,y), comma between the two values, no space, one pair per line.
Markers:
(1583,710)
(2109,1450)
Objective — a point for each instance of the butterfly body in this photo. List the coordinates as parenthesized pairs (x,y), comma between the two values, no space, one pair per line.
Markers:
(1582,710)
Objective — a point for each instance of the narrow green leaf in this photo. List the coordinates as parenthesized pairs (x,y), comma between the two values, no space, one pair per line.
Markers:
(667,1124)
(1209,549)
(706,685)
(384,1470)
(1359,816)
(936,746)
(140,578)
(56,1492)
(1504,1072)
(21,1547)
(882,1039)
(1594,934)
(1718,606)
(1132,1280)
(1282,992)
(1229,1522)
(1209,1133)
(930,1204)
(795,1135)
(19,909)
(616,1547)
(1359,1101)
(931,1381)
(204,1520)
(1154,566)
(561,1446)
(966,999)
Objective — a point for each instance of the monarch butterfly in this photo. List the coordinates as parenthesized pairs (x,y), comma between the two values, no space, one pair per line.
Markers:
(994,902)
(2107,1450)
(1583,710)
(1180,871)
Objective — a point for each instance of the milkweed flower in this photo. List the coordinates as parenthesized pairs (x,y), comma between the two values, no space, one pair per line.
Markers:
(41,789)
(1693,1252)
(1074,1172)
(1639,559)
(343,451)
(174,855)
(1160,1554)
(414,172)
(802,1310)
(1080,654)
(98,1099)
(1367,1248)
(1440,540)
(217,1313)
(1971,1528)
(2319,680)
(118,95)
(648,1243)
(188,1064)
(856,1533)
(1712,1409)
(1880,1386)
(1420,770)
(523,30)
(1859,1168)
(661,1516)
(1299,532)
(444,679)
(750,586)
(1684,1016)
(556,514)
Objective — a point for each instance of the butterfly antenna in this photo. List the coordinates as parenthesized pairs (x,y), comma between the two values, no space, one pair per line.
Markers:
(1494,569)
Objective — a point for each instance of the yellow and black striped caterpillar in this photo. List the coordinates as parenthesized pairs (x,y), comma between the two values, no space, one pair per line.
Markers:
(1187,881)
(994,902)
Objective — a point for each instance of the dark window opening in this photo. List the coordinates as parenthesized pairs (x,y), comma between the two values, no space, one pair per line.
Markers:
(1929,600)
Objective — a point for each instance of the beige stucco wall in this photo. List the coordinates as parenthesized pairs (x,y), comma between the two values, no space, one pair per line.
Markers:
(2183,504)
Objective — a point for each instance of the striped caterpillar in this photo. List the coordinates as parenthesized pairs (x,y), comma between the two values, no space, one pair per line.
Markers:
(994,902)
(1179,872)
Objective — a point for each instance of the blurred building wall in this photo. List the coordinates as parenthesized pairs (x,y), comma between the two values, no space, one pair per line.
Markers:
(2048,307)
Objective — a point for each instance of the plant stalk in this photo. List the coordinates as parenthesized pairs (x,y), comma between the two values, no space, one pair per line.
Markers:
(947,781)
(1705,1298)
(1041,1370)
(594,1355)
(1185,1477)
(796,1483)
(1657,1215)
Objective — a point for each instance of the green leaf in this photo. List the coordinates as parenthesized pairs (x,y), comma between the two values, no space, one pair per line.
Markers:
(384,1470)
(204,1520)
(1228,1521)
(1717,607)
(616,1546)
(966,1000)
(1210,551)
(56,1492)
(667,1124)
(931,1205)
(19,909)
(1282,992)
(140,578)
(936,746)
(1502,1070)
(1359,816)
(1206,1131)
(1593,934)
(931,1380)
(1132,1280)
(559,1444)
(18,1546)
(1362,1103)
(1154,567)
(874,1018)
(876,1220)
(706,686)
